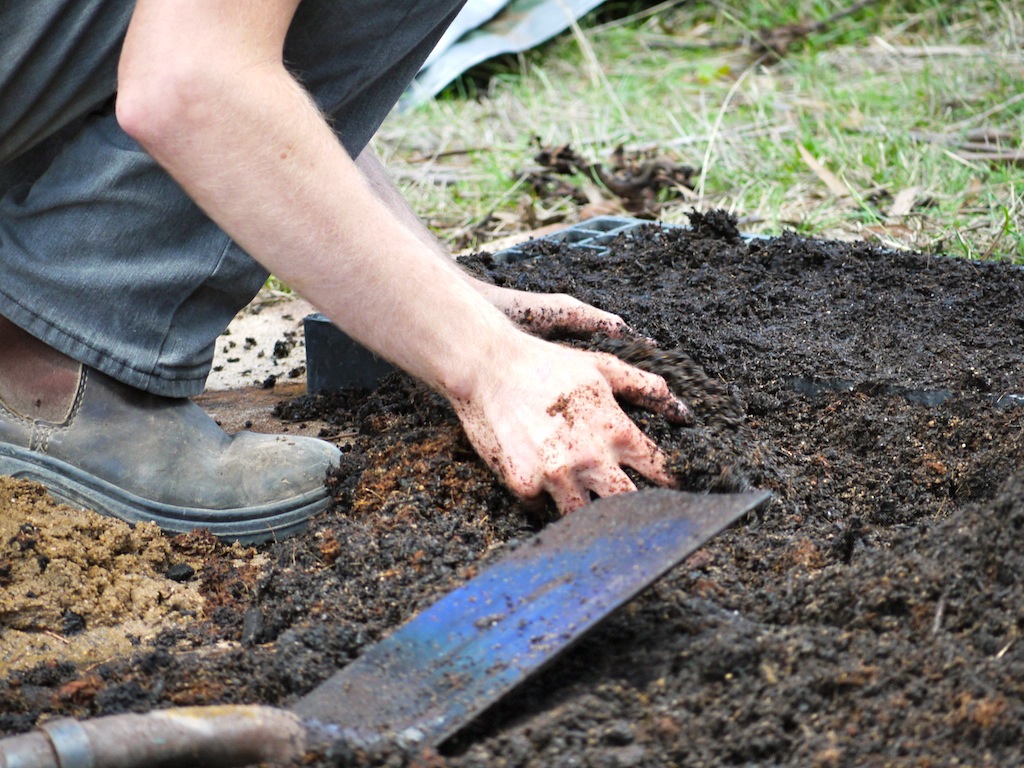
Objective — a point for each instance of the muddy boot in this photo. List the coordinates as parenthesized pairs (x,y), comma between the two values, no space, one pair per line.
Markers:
(99,444)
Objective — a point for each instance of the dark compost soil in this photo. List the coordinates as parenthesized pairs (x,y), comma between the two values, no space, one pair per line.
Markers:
(870,615)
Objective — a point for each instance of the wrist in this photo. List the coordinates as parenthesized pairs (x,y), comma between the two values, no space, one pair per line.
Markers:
(504,365)
(483,357)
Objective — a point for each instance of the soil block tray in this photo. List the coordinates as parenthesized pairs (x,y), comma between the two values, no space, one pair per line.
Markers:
(870,615)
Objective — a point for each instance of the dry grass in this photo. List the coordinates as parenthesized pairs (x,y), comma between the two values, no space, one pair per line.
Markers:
(860,131)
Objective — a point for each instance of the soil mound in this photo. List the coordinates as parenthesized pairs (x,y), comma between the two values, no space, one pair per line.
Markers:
(78,586)
(870,615)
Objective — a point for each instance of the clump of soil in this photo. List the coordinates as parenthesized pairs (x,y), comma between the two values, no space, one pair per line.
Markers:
(79,587)
(710,398)
(68,578)
(870,615)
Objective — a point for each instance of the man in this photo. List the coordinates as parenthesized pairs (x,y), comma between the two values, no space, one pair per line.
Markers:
(133,227)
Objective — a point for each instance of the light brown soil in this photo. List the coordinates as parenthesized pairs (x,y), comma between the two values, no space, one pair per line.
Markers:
(76,587)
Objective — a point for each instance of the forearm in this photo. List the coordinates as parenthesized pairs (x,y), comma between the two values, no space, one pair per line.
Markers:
(386,191)
(383,187)
(285,189)
(543,314)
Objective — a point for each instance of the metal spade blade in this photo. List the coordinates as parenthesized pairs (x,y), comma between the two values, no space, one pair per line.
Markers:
(436,673)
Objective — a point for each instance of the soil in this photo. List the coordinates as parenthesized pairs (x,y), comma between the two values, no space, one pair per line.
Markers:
(870,615)
(264,346)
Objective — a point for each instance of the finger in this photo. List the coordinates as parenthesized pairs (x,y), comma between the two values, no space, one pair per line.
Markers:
(512,468)
(562,314)
(611,481)
(532,494)
(566,472)
(643,455)
(569,497)
(647,390)
(603,322)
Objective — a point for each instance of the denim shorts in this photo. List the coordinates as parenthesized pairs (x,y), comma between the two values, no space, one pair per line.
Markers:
(102,255)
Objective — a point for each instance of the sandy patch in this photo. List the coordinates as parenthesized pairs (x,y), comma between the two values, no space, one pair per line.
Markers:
(76,586)
(264,344)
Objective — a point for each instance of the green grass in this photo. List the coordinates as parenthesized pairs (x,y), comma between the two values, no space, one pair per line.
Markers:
(868,98)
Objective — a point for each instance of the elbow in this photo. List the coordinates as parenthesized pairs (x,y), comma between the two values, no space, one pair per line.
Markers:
(160,108)
(134,117)
(140,111)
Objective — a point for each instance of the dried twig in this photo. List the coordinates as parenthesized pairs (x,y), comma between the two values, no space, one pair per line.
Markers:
(769,42)
(829,179)
(777,41)
(967,149)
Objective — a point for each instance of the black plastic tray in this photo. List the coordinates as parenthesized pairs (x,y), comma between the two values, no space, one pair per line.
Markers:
(592,235)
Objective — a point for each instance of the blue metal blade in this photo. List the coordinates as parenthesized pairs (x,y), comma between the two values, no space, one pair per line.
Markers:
(440,670)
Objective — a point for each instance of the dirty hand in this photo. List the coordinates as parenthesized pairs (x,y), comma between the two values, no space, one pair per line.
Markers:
(552,314)
(550,424)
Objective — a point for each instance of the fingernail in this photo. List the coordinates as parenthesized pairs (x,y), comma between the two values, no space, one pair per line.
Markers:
(681,411)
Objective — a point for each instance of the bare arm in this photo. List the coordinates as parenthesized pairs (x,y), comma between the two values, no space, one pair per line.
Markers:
(545,314)
(203,88)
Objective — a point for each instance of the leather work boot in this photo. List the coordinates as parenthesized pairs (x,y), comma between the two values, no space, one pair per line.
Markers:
(100,444)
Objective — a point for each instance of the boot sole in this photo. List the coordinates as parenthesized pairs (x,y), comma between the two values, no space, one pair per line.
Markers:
(247,525)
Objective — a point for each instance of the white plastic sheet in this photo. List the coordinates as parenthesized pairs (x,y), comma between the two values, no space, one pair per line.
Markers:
(488,28)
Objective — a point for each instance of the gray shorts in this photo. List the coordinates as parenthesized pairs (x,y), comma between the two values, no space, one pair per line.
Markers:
(102,255)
